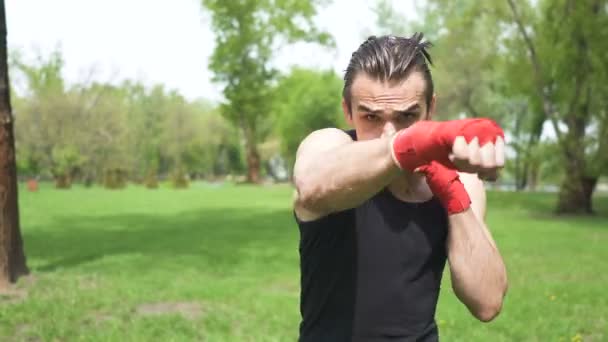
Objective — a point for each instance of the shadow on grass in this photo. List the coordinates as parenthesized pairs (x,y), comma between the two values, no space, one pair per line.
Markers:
(542,205)
(218,238)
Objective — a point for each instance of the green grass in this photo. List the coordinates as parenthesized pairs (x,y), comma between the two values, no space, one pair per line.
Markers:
(220,263)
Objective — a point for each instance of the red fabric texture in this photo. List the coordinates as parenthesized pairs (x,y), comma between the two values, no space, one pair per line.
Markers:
(427,141)
(425,147)
(447,187)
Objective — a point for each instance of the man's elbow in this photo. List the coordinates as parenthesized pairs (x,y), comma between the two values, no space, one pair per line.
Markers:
(309,195)
(490,309)
(488,312)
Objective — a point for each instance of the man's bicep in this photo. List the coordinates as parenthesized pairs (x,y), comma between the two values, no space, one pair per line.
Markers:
(313,147)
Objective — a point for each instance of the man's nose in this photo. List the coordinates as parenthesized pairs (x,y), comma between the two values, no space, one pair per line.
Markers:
(389,128)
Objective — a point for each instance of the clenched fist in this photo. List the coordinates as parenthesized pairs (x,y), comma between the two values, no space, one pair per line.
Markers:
(468,145)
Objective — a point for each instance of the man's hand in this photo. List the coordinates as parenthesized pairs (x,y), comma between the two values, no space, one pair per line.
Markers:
(486,160)
(469,145)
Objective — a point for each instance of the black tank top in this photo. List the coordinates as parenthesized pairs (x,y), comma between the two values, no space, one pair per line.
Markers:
(373,273)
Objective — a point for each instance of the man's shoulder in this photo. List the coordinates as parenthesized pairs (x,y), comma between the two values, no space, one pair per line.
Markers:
(330,133)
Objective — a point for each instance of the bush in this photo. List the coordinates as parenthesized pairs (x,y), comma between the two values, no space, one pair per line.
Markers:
(179,179)
(63,181)
(115,179)
(151,180)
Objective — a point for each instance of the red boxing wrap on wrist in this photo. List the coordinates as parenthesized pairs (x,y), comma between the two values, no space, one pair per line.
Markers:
(427,141)
(447,187)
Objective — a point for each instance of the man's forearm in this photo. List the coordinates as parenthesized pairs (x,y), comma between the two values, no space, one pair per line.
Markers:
(345,176)
(478,273)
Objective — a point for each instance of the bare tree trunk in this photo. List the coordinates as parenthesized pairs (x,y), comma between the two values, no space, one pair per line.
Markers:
(63,181)
(253,157)
(12,257)
(575,196)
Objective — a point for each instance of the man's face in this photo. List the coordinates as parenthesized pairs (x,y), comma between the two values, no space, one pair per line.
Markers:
(383,108)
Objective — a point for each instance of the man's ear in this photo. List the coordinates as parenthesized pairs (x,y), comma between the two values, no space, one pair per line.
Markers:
(430,113)
(347,114)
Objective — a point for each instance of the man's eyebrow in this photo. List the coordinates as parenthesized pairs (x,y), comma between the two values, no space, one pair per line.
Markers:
(413,108)
(364,108)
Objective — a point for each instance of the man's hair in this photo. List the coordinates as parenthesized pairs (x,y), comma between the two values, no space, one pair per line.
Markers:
(390,58)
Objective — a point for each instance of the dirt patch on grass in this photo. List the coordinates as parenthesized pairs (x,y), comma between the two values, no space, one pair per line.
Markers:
(17,293)
(188,310)
(89,283)
(22,334)
(28,280)
(97,318)
(13,295)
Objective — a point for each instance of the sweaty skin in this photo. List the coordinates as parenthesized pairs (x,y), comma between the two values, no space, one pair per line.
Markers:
(377,111)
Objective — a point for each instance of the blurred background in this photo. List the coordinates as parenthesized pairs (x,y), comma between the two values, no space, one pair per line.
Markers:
(155,141)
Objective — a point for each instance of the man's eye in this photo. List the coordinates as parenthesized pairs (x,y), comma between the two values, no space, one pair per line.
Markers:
(371,117)
(407,116)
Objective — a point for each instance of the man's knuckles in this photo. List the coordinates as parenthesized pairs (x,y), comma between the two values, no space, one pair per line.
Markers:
(488,156)
(485,130)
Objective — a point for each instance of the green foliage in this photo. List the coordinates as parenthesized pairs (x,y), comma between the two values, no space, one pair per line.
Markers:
(151,180)
(216,152)
(179,179)
(247,34)
(305,100)
(100,132)
(66,160)
(524,63)
(115,179)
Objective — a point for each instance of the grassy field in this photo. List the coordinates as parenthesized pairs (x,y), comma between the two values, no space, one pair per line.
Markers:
(220,263)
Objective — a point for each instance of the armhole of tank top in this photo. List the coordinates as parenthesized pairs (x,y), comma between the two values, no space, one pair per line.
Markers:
(321,222)
(351,133)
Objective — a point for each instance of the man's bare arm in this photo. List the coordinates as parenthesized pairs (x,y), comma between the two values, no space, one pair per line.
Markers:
(332,172)
(478,273)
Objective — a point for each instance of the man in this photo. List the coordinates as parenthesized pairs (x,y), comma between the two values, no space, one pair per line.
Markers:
(380,208)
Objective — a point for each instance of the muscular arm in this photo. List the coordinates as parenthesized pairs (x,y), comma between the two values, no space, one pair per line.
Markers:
(332,172)
(478,273)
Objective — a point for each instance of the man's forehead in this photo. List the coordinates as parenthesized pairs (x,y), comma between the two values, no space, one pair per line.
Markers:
(368,89)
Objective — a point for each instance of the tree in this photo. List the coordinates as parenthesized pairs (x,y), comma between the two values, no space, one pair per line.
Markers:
(304,101)
(217,151)
(41,116)
(526,63)
(565,43)
(247,34)
(12,256)
(94,131)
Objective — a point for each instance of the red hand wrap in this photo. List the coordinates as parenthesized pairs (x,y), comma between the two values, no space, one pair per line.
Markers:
(447,187)
(426,141)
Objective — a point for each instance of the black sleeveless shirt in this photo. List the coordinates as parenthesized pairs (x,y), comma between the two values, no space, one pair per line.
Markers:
(373,273)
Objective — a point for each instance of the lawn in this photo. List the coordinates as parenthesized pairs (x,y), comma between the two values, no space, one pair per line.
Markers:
(220,263)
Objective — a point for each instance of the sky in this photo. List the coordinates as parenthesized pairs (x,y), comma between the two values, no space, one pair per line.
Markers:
(163,41)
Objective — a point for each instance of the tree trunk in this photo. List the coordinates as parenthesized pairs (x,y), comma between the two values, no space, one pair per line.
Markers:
(12,257)
(253,164)
(253,157)
(521,173)
(532,178)
(63,181)
(576,192)
(575,196)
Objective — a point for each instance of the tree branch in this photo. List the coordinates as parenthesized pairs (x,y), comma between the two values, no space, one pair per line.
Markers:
(540,84)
